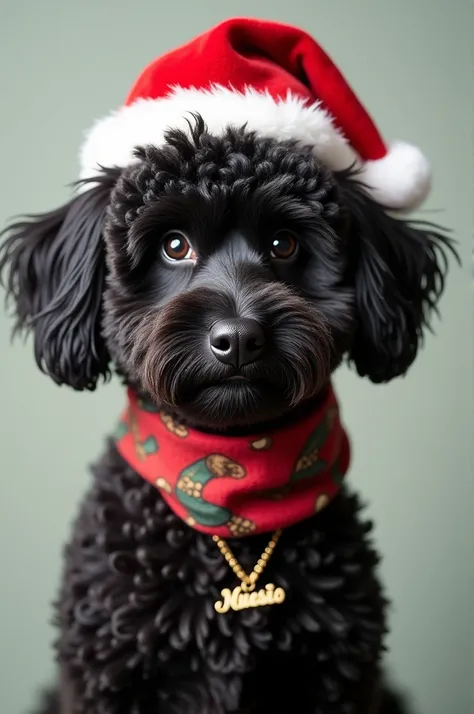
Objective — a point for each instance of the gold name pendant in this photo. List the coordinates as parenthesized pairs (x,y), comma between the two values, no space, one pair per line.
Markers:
(244,595)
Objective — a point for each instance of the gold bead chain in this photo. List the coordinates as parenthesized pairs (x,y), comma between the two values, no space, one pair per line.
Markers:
(248,581)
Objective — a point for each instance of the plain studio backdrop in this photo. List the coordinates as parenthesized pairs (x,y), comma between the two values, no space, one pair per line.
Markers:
(63,64)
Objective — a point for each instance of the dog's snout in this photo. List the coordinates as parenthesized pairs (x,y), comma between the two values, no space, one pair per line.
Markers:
(237,341)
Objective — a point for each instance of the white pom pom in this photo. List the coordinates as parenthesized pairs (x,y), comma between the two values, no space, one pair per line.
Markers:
(401,180)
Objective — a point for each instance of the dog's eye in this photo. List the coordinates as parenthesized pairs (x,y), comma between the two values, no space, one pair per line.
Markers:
(284,245)
(177,247)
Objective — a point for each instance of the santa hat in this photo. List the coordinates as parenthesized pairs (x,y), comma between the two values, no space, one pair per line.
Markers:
(278,82)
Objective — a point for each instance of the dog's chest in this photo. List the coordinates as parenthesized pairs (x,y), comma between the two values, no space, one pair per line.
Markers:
(140,590)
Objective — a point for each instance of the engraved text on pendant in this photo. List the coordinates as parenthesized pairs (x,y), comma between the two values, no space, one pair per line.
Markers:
(238,599)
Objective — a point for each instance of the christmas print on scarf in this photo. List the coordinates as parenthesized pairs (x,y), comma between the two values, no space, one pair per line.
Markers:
(236,486)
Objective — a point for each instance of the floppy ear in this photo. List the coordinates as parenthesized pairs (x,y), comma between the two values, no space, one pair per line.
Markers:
(53,268)
(398,269)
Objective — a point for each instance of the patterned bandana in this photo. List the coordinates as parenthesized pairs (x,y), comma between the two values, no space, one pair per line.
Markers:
(233,486)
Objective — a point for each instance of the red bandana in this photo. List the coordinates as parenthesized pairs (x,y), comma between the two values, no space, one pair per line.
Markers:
(238,485)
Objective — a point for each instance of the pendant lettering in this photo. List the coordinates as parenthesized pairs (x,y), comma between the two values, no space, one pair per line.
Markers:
(239,599)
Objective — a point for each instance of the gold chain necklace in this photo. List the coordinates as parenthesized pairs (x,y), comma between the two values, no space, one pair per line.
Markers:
(244,595)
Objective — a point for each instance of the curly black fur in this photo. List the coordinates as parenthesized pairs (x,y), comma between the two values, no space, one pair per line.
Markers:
(137,628)
(56,273)
(136,611)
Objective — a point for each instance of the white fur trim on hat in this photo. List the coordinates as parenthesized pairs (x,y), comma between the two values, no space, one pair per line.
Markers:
(112,140)
(399,180)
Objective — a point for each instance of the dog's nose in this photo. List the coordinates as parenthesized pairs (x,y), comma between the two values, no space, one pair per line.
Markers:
(237,341)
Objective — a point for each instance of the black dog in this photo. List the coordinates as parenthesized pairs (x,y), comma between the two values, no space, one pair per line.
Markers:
(134,272)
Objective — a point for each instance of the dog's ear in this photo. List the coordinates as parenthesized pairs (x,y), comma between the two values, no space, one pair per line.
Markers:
(53,268)
(398,269)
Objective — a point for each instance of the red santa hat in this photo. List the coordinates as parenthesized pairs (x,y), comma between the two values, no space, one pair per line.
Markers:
(278,82)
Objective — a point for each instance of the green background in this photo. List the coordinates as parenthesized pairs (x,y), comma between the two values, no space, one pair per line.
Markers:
(63,64)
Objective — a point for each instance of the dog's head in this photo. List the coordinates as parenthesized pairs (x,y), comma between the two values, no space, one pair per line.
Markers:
(226,277)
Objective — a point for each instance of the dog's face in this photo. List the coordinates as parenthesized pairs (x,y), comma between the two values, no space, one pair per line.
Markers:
(226,277)
(228,297)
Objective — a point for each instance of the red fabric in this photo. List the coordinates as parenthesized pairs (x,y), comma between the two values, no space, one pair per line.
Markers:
(237,486)
(267,56)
